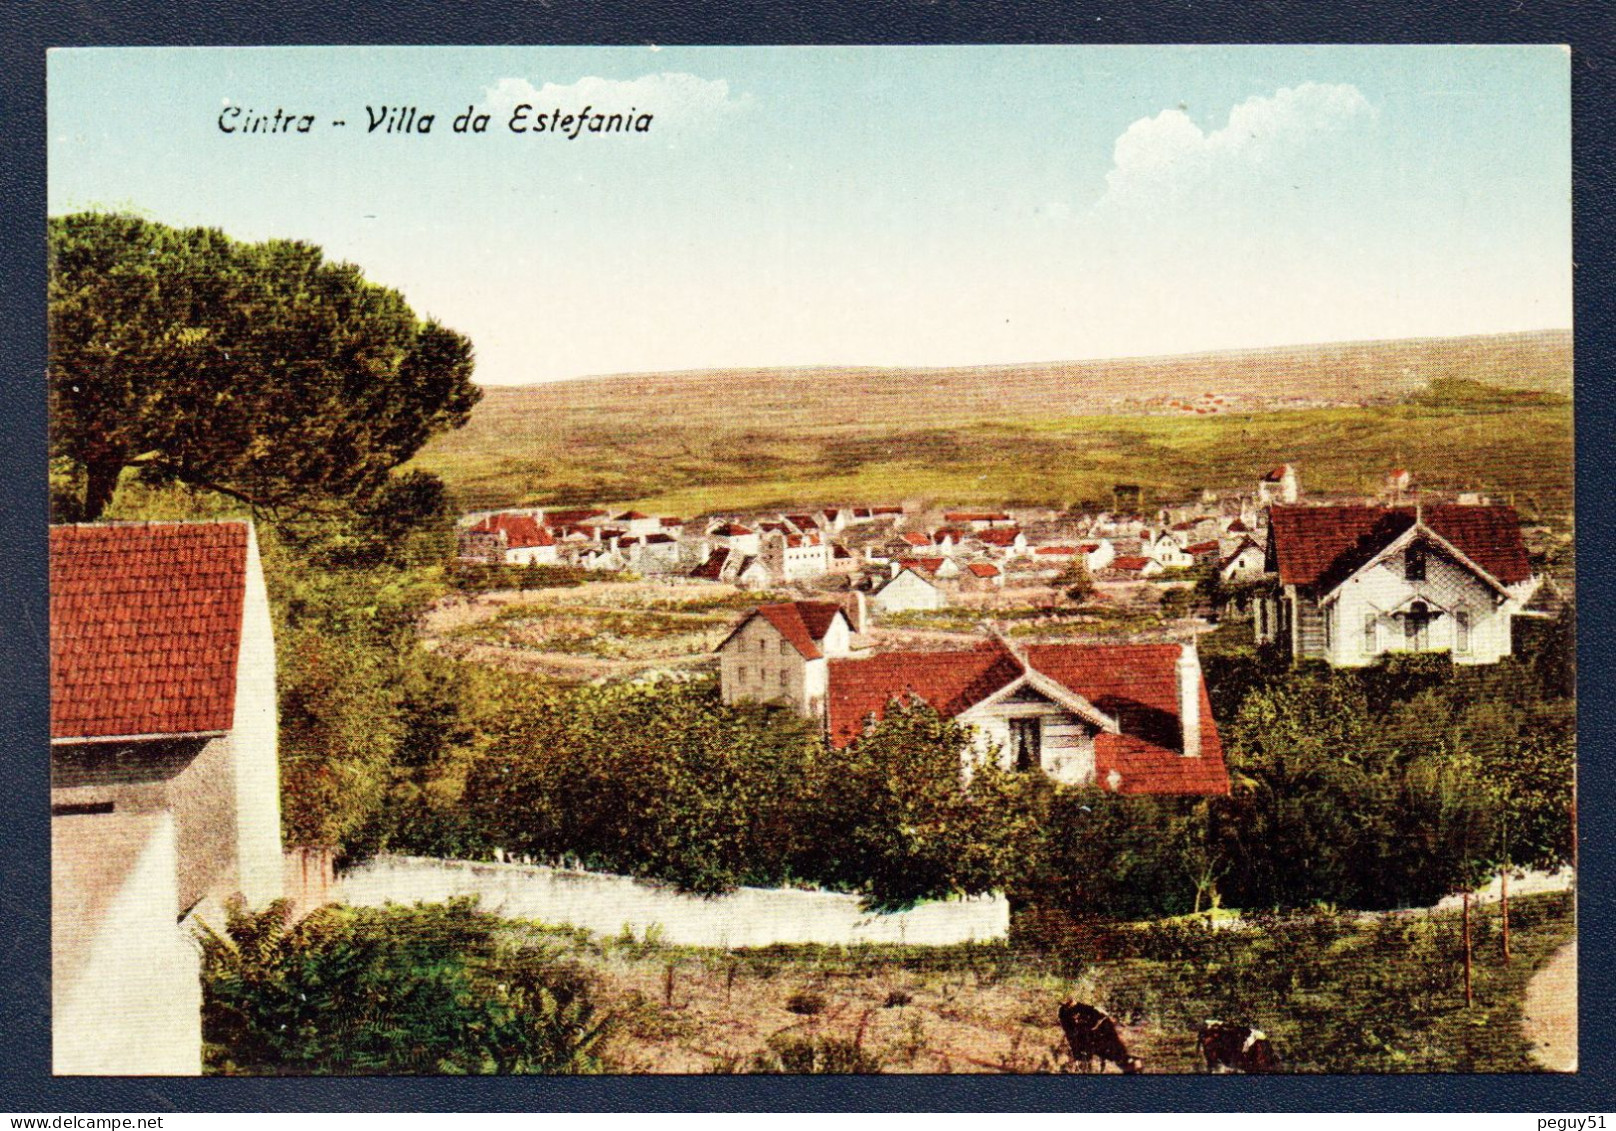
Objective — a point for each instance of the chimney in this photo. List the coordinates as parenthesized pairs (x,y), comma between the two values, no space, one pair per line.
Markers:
(1188,670)
(856,609)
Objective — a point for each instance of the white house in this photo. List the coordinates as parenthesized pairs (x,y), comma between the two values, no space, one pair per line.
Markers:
(908,591)
(1098,555)
(1166,551)
(165,785)
(1008,541)
(1134,567)
(1279,485)
(509,538)
(938,569)
(1246,563)
(1132,718)
(781,653)
(655,553)
(1357,582)
(734,536)
(637,523)
(794,557)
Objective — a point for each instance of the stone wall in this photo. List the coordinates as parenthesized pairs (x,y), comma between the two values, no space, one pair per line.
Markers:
(609,905)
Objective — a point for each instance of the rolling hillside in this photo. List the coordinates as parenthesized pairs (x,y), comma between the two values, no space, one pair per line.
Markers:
(1047,433)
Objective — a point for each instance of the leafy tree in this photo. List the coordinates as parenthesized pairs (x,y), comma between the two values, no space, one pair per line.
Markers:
(897,820)
(1075,580)
(261,371)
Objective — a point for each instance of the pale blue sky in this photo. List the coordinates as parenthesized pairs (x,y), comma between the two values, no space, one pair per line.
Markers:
(883,206)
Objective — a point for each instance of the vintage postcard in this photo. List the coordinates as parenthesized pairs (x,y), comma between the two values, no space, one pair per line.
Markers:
(811,560)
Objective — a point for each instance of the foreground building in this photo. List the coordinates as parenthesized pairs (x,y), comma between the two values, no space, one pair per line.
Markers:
(1131,718)
(1357,582)
(165,788)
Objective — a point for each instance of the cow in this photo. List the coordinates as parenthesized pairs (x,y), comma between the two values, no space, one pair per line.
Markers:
(1237,1048)
(1093,1033)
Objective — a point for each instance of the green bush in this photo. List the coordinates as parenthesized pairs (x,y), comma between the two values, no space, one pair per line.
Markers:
(399,990)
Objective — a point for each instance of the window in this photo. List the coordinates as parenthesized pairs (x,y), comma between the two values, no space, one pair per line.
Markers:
(1461,630)
(1329,628)
(1414,562)
(1371,634)
(785,647)
(1026,743)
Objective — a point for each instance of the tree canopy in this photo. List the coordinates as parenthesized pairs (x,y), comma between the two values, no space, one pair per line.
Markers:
(262,371)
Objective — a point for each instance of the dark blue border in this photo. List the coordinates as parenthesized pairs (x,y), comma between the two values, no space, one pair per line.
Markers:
(28,29)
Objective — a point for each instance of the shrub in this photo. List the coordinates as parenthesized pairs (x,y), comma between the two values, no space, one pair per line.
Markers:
(399,990)
(816,1056)
(806,1002)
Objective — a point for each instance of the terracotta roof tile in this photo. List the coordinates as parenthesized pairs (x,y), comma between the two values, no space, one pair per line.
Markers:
(802,623)
(1325,545)
(983,570)
(1136,684)
(145,627)
(713,568)
(520,530)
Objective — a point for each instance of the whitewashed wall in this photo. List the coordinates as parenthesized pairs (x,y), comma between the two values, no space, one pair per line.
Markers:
(607,904)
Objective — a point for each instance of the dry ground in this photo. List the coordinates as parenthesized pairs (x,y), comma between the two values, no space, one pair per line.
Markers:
(703,1014)
(1550,1010)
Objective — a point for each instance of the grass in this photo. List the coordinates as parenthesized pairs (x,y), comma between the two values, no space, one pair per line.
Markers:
(1048,435)
(1335,992)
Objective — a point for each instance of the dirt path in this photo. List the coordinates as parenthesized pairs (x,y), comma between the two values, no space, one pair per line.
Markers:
(1550,1011)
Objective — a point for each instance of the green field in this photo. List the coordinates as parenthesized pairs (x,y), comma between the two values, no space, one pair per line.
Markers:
(779,438)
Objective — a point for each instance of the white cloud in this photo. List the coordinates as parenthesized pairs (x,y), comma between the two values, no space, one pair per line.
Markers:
(676,99)
(1170,153)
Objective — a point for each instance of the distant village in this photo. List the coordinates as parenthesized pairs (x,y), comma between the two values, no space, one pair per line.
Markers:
(891,559)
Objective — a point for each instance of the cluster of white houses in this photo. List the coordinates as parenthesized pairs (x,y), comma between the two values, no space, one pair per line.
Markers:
(906,559)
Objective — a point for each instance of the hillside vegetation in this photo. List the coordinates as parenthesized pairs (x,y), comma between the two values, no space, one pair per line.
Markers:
(1487,413)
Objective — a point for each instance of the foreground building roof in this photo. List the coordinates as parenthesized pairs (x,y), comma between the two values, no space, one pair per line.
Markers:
(145,628)
(1134,684)
(1323,546)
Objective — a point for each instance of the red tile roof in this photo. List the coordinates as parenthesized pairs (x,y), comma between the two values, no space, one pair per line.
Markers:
(572,517)
(1057,551)
(520,530)
(999,536)
(915,538)
(1326,545)
(670,521)
(1202,548)
(976,516)
(1131,563)
(1136,684)
(861,690)
(145,627)
(731,530)
(713,568)
(1276,474)
(803,623)
(929,565)
(983,570)
(631,516)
